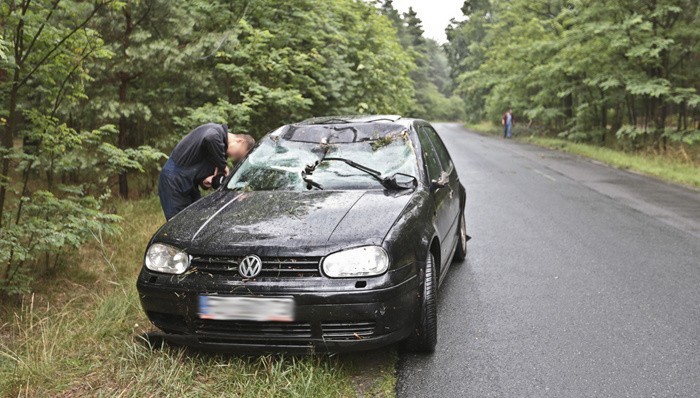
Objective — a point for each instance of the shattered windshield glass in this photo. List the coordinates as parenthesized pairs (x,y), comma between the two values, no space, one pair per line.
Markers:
(277,163)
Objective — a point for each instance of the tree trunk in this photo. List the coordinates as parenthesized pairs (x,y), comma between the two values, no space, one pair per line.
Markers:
(660,125)
(568,108)
(618,119)
(632,119)
(121,140)
(684,114)
(8,142)
(124,80)
(603,117)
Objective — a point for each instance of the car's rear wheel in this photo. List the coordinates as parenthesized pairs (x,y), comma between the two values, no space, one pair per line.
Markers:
(424,335)
(462,238)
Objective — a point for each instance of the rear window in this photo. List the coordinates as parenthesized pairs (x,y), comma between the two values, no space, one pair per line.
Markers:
(277,163)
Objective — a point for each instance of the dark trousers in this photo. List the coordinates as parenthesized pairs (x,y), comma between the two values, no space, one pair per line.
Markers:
(176,188)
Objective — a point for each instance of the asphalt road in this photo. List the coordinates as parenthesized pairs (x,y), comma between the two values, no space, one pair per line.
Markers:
(581,281)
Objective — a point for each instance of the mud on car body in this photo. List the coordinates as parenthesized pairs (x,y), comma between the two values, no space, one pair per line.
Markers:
(332,235)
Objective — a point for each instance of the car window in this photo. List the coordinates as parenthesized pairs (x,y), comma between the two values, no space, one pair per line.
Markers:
(430,157)
(440,148)
(277,163)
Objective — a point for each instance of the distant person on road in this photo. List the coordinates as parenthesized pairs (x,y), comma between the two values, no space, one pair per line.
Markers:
(508,121)
(196,161)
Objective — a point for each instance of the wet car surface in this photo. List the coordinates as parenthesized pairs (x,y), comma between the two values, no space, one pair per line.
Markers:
(332,235)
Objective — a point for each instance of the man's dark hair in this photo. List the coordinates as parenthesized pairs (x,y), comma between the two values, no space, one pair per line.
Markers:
(248,139)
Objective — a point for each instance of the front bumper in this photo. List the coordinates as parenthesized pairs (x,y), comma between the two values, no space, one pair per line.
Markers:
(331,315)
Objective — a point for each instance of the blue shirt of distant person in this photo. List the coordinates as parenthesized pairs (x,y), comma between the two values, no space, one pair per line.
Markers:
(508,122)
(197,161)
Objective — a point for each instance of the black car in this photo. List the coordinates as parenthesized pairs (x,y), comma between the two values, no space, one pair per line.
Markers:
(332,235)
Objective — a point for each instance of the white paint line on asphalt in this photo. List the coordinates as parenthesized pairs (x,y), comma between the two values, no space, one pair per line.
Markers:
(544,175)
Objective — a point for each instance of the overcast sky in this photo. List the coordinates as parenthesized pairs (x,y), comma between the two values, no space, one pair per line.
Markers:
(435,14)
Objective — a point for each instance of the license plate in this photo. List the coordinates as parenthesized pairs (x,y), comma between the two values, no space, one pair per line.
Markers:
(276,309)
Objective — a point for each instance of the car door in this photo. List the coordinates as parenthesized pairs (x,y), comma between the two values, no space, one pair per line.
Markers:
(441,194)
(451,207)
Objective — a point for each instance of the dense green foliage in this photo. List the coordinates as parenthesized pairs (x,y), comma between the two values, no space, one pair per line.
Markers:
(54,173)
(94,92)
(621,70)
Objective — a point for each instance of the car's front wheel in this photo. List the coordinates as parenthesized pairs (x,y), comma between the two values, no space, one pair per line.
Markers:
(424,335)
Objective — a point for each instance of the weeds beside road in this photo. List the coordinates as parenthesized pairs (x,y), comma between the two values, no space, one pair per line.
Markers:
(666,167)
(78,335)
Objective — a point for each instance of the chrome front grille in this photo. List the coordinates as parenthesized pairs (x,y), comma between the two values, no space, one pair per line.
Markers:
(272,267)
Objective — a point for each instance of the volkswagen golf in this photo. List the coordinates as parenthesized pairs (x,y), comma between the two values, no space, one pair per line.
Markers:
(332,235)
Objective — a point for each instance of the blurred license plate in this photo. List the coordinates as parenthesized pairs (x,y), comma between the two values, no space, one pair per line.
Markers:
(278,309)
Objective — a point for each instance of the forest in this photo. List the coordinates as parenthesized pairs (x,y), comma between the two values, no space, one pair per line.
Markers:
(94,94)
(623,73)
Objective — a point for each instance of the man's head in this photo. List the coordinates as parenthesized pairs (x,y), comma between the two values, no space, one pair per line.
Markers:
(510,110)
(239,145)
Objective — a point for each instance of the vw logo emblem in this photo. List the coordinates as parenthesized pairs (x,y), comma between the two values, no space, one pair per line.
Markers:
(250,266)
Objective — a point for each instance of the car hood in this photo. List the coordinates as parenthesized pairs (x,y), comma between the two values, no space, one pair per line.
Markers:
(283,223)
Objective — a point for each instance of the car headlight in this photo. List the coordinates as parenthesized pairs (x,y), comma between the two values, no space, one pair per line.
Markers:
(167,259)
(361,261)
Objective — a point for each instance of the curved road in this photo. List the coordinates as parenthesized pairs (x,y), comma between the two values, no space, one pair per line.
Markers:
(581,281)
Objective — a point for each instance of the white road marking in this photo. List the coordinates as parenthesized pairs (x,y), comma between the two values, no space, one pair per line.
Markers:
(544,175)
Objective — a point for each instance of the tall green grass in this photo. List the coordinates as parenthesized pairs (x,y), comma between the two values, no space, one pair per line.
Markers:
(485,127)
(79,335)
(667,167)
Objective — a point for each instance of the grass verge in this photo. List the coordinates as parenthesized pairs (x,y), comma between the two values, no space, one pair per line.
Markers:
(485,128)
(665,167)
(78,335)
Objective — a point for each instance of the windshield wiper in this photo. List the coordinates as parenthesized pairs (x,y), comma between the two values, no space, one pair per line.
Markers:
(374,173)
(305,175)
(387,182)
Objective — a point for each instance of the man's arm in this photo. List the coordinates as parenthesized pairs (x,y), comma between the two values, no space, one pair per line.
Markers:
(216,148)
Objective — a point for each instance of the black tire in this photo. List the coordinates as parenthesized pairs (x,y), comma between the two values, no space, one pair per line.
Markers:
(424,336)
(462,238)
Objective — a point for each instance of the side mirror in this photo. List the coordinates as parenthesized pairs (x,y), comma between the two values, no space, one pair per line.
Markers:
(441,182)
(402,181)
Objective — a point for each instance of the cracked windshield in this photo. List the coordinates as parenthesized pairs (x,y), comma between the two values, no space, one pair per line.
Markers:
(278,164)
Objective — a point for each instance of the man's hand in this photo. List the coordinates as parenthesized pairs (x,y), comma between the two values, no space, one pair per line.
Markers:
(226,171)
(206,183)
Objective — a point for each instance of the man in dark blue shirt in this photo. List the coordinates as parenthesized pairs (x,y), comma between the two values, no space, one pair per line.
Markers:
(195,161)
